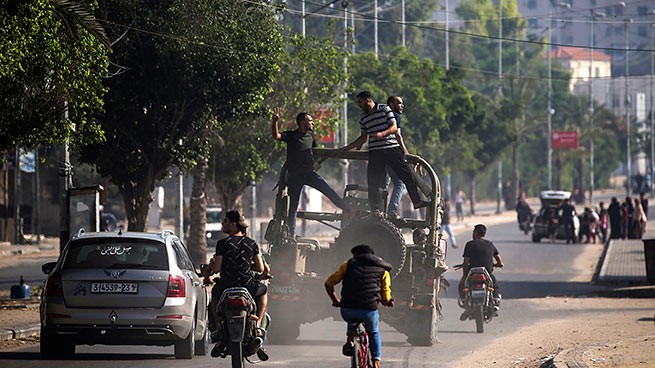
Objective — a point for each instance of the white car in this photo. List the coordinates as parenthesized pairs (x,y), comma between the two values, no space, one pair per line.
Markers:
(551,200)
(214,225)
(124,288)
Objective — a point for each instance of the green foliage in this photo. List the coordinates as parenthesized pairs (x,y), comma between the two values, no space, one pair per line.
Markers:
(443,121)
(310,77)
(47,68)
(185,68)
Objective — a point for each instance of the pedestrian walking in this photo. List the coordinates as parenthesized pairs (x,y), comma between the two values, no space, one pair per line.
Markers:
(445,223)
(460,201)
(603,221)
(639,219)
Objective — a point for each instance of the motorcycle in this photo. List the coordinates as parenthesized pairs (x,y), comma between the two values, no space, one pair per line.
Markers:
(479,301)
(237,316)
(525,224)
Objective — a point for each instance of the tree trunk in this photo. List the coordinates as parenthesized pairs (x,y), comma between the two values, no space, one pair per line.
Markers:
(231,194)
(137,199)
(471,177)
(197,242)
(558,172)
(515,176)
(581,180)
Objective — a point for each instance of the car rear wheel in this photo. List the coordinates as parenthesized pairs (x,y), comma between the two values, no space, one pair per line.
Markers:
(185,348)
(202,345)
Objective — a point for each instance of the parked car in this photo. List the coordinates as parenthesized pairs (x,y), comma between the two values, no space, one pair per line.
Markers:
(123,288)
(551,200)
(214,225)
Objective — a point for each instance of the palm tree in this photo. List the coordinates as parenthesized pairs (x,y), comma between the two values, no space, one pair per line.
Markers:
(74,14)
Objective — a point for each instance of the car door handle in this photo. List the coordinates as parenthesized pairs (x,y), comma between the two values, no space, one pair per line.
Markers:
(196,283)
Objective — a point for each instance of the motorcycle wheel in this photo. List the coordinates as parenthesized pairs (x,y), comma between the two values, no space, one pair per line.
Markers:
(479,319)
(236,352)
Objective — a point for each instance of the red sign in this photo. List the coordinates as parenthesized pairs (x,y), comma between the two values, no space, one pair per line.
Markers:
(563,139)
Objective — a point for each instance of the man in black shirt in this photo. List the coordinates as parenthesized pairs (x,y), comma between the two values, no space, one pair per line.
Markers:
(236,255)
(480,252)
(568,212)
(300,164)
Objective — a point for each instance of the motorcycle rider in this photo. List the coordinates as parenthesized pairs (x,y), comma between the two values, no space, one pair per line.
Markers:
(480,252)
(236,256)
(523,212)
(366,283)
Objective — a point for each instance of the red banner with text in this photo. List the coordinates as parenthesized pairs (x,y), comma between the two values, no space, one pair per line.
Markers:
(565,139)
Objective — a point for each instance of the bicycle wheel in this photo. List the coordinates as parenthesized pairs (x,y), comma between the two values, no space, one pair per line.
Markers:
(354,357)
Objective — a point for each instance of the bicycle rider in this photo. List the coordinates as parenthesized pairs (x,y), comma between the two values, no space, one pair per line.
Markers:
(366,283)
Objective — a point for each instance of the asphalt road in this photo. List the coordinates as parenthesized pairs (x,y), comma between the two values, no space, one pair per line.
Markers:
(532,271)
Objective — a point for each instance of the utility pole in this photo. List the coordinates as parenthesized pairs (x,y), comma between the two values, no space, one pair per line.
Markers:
(549,108)
(402,6)
(447,39)
(627,104)
(375,26)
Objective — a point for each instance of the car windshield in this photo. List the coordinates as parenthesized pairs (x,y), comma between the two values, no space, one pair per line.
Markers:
(214,216)
(102,253)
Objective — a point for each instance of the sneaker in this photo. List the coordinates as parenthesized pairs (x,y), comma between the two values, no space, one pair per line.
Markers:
(260,332)
(262,354)
(218,349)
(394,217)
(464,316)
(347,349)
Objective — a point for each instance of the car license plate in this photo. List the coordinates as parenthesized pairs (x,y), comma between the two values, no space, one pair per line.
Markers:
(115,287)
(477,293)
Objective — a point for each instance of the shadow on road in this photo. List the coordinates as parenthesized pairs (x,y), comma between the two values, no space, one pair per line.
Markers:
(16,355)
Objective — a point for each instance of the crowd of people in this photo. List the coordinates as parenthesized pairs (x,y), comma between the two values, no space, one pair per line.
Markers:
(627,220)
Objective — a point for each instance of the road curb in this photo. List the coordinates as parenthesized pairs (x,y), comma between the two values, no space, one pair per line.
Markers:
(20,332)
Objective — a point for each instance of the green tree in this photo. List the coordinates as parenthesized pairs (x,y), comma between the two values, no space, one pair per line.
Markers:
(310,77)
(52,61)
(186,67)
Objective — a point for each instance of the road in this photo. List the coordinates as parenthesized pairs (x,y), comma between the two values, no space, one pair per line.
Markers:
(532,271)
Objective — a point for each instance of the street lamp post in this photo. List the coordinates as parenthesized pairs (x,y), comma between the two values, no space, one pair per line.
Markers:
(549,108)
(591,103)
(627,103)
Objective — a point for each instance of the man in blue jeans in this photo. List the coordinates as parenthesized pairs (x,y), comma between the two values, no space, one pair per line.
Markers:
(366,283)
(300,164)
(397,106)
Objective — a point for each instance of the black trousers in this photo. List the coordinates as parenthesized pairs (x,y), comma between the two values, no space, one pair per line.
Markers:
(376,172)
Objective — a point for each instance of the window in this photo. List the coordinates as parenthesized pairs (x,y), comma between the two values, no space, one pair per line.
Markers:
(642,11)
(618,10)
(593,2)
(608,31)
(533,23)
(183,260)
(642,31)
(532,4)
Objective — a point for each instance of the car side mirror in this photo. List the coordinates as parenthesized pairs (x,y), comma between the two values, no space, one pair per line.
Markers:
(48,267)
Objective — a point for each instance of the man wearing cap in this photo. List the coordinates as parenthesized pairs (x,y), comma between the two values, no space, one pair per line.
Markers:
(236,255)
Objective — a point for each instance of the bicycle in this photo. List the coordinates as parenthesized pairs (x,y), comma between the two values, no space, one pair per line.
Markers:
(361,356)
